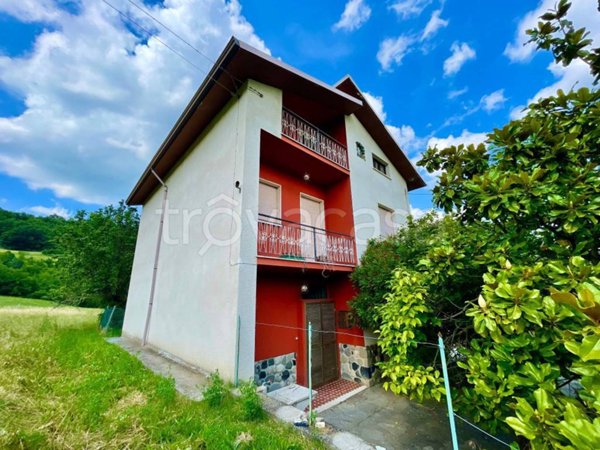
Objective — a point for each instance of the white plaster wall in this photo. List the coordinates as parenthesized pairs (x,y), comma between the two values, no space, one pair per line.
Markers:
(261,113)
(370,188)
(201,288)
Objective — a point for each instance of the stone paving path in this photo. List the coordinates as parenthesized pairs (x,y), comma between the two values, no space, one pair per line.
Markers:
(394,422)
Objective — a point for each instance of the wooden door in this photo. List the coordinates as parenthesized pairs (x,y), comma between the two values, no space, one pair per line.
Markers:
(323,345)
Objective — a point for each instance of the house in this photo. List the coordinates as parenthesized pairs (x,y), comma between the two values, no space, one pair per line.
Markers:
(256,209)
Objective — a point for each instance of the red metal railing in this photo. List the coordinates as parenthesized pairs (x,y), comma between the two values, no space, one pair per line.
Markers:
(309,136)
(284,239)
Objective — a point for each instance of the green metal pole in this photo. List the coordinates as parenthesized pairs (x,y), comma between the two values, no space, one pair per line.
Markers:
(448,394)
(309,373)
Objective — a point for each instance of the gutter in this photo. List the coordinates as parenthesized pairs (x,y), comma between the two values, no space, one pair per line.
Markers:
(156,257)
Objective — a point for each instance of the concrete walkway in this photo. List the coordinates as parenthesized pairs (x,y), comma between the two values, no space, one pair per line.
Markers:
(188,379)
(394,422)
(372,419)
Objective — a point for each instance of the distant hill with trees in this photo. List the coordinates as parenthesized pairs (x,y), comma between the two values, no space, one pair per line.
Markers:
(21,231)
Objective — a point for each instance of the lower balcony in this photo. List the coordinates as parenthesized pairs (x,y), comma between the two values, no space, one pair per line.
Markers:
(296,242)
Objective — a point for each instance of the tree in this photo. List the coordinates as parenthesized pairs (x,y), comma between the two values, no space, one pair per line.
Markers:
(524,270)
(96,254)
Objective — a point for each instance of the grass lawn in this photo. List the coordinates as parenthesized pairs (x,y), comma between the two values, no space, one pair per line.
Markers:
(19,302)
(26,254)
(63,386)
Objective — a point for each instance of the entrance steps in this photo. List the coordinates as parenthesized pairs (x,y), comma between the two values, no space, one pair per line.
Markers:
(292,394)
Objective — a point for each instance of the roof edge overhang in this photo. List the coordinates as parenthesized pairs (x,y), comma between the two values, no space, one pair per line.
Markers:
(377,129)
(237,63)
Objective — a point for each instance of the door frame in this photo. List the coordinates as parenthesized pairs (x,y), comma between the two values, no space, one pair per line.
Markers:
(307,342)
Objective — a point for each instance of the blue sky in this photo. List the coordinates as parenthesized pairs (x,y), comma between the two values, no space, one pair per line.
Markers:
(86,98)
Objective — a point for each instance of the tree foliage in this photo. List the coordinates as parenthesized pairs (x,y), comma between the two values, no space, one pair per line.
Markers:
(25,276)
(20,231)
(96,254)
(517,289)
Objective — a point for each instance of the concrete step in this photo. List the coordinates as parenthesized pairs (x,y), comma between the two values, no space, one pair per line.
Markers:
(291,395)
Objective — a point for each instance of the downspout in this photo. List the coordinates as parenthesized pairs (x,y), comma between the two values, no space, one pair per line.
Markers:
(156,256)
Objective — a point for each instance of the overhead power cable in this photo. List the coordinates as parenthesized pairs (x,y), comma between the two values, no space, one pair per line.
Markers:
(152,35)
(178,36)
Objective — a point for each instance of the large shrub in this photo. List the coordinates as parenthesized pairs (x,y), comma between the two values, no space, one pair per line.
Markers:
(522,273)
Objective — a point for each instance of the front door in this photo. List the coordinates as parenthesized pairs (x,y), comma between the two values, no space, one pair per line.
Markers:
(313,220)
(324,345)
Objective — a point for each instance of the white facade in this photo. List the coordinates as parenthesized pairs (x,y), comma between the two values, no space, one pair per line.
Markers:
(370,188)
(204,279)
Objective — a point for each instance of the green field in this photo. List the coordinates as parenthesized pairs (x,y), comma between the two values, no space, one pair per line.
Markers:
(63,386)
(19,302)
(26,254)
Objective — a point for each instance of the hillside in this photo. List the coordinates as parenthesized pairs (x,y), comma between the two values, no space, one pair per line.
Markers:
(21,231)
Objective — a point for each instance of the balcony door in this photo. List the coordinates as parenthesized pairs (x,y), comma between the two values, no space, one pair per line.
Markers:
(312,212)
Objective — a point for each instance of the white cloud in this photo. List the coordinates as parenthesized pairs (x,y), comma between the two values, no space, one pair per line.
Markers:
(466,137)
(392,51)
(493,101)
(583,13)
(355,14)
(376,103)
(417,213)
(98,99)
(575,76)
(49,211)
(461,53)
(404,135)
(409,8)
(435,23)
(457,93)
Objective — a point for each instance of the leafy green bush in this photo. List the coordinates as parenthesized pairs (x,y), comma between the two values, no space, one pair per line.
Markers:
(403,315)
(251,403)
(522,273)
(252,408)
(215,391)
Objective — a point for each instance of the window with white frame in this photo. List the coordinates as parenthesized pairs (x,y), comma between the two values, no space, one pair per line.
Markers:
(387,226)
(269,199)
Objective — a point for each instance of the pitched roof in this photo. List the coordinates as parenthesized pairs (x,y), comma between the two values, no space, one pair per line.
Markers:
(237,63)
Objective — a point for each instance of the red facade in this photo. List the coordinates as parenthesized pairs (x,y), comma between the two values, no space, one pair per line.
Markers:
(302,265)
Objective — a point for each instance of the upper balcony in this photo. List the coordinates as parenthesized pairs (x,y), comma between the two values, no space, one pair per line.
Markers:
(314,139)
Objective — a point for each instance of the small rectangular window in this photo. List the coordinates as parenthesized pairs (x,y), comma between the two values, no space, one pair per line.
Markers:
(360,150)
(269,200)
(379,165)
(387,226)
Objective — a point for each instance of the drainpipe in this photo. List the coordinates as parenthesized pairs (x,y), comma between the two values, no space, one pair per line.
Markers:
(156,255)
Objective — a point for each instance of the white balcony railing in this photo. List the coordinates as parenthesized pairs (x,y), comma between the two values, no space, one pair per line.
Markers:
(311,137)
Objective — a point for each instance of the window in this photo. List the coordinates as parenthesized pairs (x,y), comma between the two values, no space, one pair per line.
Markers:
(360,150)
(269,199)
(379,165)
(387,226)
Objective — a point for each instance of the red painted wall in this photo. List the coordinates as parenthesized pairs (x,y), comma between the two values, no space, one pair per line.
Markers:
(291,188)
(341,292)
(279,304)
(336,197)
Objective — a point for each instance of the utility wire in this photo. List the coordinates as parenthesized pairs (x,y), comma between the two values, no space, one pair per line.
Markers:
(483,431)
(336,332)
(150,34)
(178,36)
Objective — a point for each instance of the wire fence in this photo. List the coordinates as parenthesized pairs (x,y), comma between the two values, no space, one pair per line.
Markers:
(463,433)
